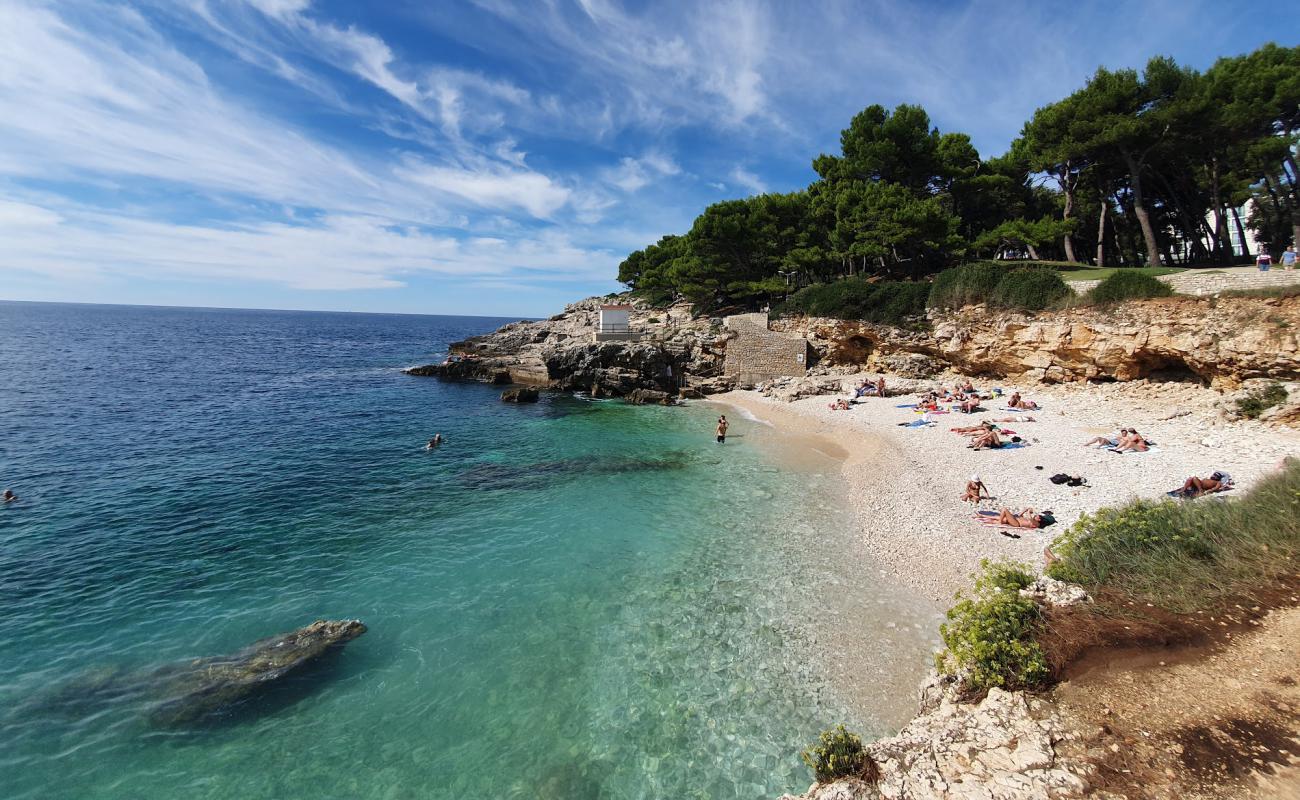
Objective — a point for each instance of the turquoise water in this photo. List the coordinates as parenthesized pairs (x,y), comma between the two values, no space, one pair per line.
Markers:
(568,600)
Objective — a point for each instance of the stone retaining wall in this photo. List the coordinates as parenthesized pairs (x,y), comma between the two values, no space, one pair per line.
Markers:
(1199,283)
(756,354)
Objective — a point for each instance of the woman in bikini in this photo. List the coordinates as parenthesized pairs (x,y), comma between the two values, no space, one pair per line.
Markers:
(1025,519)
(1023,405)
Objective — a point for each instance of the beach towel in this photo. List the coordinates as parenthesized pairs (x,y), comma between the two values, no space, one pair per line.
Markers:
(1019,410)
(906,405)
(1151,449)
(920,423)
(1006,446)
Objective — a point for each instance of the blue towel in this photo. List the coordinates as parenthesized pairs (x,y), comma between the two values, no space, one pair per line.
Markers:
(906,405)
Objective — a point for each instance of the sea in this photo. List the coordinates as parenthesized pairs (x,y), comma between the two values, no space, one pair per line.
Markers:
(570,599)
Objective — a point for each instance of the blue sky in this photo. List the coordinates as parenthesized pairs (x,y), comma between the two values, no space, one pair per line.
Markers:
(482,157)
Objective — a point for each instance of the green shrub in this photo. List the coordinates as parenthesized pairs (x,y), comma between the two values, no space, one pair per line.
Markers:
(1188,556)
(1126,285)
(990,635)
(887,302)
(840,754)
(1259,401)
(966,285)
(1029,289)
(656,296)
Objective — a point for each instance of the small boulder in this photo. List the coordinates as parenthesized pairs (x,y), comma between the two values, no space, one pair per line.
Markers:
(1051,592)
(521,394)
(645,397)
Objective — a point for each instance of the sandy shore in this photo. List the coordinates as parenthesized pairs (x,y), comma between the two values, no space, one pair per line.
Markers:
(904,483)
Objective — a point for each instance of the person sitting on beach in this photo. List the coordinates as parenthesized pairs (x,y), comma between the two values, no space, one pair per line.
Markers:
(9,496)
(1132,442)
(840,405)
(1195,487)
(966,386)
(1023,405)
(970,405)
(976,490)
(1025,519)
(987,439)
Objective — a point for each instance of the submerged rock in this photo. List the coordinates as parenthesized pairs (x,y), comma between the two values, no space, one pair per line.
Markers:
(523,394)
(200,687)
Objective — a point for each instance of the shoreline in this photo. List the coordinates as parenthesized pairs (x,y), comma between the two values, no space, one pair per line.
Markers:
(903,483)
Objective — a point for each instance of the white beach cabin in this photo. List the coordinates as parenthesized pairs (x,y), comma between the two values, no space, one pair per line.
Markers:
(615,323)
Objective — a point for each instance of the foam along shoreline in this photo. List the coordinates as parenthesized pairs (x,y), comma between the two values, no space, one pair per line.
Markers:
(904,483)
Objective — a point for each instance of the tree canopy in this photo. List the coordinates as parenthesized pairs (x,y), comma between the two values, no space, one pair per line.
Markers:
(1133,168)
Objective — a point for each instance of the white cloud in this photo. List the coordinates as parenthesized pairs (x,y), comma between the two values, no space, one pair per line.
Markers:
(748,180)
(632,174)
(493,187)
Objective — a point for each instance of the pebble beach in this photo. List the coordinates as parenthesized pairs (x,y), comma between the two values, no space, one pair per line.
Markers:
(904,483)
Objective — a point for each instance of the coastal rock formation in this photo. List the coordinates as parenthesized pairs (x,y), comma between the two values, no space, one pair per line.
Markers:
(522,394)
(1002,748)
(561,353)
(1217,341)
(1051,592)
(194,689)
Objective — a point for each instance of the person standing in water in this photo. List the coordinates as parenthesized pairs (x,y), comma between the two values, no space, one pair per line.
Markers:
(722,429)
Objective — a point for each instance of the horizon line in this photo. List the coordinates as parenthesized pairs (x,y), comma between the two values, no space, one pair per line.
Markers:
(284,310)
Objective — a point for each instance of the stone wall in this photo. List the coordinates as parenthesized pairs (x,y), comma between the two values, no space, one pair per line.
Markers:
(1199,283)
(756,354)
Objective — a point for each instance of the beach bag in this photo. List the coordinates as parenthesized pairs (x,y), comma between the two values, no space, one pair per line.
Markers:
(1059,478)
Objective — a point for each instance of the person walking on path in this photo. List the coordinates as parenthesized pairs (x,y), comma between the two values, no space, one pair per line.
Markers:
(1264,261)
(1288,258)
(722,429)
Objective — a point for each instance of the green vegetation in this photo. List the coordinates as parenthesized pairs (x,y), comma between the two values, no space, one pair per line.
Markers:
(1257,402)
(1029,289)
(989,636)
(1264,291)
(840,754)
(998,285)
(1136,163)
(893,302)
(1128,285)
(1191,556)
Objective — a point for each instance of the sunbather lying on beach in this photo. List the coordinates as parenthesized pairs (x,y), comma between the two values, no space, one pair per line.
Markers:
(987,439)
(975,490)
(1021,418)
(1018,403)
(1105,441)
(839,405)
(1195,487)
(1025,519)
(971,429)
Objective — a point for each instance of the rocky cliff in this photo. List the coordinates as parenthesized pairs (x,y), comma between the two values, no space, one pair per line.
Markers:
(1222,342)
(676,352)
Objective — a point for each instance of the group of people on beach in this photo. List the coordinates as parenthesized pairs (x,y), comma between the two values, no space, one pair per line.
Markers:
(1127,440)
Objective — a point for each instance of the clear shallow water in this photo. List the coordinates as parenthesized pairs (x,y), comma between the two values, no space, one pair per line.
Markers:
(568,600)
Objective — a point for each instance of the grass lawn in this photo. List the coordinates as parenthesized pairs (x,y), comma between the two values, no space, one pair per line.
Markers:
(1071,272)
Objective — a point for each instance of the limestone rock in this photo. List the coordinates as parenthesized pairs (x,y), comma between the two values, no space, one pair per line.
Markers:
(1051,592)
(643,397)
(523,394)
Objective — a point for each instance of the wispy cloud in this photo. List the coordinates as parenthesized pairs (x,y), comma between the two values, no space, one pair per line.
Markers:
(748,180)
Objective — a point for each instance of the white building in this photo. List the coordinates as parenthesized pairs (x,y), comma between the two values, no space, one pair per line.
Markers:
(615,323)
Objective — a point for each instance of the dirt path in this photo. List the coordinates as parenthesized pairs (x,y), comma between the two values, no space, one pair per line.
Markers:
(1217,721)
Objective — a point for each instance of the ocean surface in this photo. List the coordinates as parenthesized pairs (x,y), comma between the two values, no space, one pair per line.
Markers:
(571,599)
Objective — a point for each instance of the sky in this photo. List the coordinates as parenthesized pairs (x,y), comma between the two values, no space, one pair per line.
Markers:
(484,156)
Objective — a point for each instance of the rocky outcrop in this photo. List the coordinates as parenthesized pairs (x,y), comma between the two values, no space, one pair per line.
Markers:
(203,686)
(187,692)
(649,397)
(1217,341)
(1002,748)
(1051,592)
(561,353)
(521,394)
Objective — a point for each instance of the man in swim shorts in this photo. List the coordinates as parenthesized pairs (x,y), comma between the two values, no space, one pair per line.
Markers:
(722,429)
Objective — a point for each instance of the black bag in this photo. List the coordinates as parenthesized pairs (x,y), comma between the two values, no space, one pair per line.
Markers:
(1059,478)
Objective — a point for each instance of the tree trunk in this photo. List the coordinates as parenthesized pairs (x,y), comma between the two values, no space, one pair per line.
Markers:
(1101,233)
(1068,241)
(1241,233)
(1295,202)
(1032,252)
(1131,252)
(1140,211)
(1220,234)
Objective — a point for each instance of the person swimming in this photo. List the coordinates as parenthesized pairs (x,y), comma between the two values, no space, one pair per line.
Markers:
(9,496)
(434,442)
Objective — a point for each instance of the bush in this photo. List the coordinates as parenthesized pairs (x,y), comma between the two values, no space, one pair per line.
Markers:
(840,754)
(1189,556)
(990,635)
(1257,402)
(888,302)
(966,285)
(1126,285)
(1029,289)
